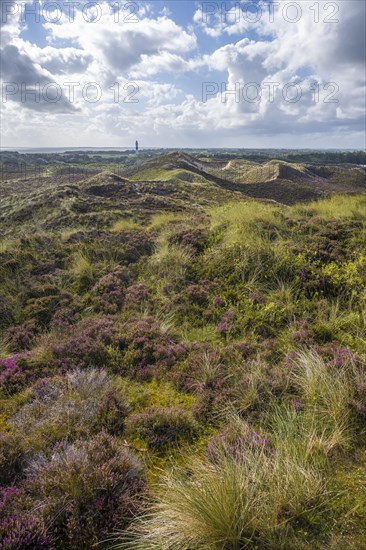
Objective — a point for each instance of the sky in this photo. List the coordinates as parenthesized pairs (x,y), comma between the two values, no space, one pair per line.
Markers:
(183,73)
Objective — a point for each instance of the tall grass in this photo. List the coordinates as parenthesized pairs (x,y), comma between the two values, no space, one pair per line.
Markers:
(207,333)
(160,220)
(232,501)
(255,386)
(336,207)
(332,320)
(285,294)
(167,321)
(169,263)
(240,220)
(253,238)
(327,394)
(124,224)
(252,491)
(83,270)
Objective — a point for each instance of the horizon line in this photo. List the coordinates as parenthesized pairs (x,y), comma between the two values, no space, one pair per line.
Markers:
(107,148)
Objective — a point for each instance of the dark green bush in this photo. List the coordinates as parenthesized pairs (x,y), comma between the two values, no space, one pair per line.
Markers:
(163,427)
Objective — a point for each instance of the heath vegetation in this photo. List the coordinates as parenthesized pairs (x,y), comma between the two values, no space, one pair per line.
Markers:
(179,371)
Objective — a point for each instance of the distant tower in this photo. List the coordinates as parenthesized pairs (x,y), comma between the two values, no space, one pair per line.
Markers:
(137,146)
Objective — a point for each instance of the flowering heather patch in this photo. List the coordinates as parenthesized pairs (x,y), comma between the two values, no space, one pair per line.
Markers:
(98,327)
(112,413)
(136,296)
(301,333)
(196,239)
(21,337)
(109,292)
(90,345)
(13,377)
(327,242)
(86,490)
(227,323)
(338,355)
(21,526)
(219,302)
(68,315)
(147,349)
(214,375)
(197,294)
(195,302)
(163,427)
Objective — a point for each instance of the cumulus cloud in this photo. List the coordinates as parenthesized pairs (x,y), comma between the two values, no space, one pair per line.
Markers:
(24,80)
(333,90)
(127,46)
(25,83)
(60,61)
(161,56)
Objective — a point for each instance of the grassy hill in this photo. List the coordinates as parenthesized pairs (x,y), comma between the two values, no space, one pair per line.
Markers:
(55,202)
(292,181)
(183,366)
(61,196)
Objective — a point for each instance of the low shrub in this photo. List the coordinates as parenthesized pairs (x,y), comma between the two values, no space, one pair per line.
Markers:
(195,303)
(196,239)
(235,440)
(21,337)
(21,525)
(137,296)
(163,427)
(147,349)
(215,376)
(89,348)
(85,490)
(226,326)
(77,405)
(108,294)
(6,315)
(13,377)
(67,316)
(43,298)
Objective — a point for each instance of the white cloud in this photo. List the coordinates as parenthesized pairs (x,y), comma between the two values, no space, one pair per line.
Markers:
(127,46)
(156,51)
(58,61)
(324,52)
(24,80)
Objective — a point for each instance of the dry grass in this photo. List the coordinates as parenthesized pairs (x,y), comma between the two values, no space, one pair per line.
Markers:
(233,501)
(327,394)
